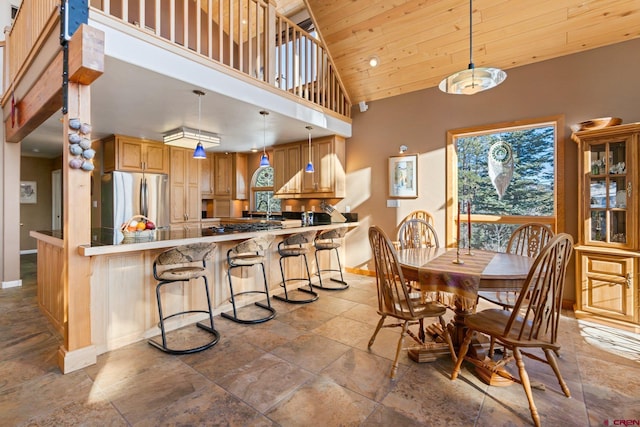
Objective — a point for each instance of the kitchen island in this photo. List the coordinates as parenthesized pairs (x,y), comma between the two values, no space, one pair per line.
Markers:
(123,307)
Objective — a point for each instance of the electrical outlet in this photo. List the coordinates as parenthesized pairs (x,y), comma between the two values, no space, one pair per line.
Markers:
(393,203)
(287,208)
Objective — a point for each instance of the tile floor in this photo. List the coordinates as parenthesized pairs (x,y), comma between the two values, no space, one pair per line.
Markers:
(308,366)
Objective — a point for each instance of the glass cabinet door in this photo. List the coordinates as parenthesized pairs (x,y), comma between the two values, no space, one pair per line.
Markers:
(609,193)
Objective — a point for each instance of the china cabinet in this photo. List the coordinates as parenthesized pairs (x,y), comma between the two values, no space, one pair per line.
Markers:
(130,154)
(608,248)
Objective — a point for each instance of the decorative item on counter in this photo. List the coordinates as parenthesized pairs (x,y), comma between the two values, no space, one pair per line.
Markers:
(80,146)
(137,229)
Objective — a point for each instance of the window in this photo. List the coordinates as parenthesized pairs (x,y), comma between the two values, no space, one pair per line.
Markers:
(262,191)
(507,175)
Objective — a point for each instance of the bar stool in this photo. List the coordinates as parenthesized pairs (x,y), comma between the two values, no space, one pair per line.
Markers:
(296,245)
(247,254)
(181,264)
(326,241)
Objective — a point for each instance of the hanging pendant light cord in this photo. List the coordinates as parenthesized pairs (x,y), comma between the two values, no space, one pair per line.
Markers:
(264,133)
(309,128)
(471,34)
(199,114)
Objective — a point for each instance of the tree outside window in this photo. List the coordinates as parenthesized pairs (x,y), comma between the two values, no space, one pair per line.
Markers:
(507,175)
(262,190)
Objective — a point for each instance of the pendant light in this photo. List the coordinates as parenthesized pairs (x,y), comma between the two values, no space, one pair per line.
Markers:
(199,152)
(472,80)
(264,160)
(309,168)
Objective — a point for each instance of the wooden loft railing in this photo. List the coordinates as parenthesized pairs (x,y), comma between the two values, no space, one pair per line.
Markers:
(32,24)
(246,35)
(304,67)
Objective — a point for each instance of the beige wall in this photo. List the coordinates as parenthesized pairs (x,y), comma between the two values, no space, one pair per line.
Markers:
(36,216)
(597,83)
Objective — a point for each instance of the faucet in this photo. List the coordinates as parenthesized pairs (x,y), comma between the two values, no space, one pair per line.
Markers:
(268,209)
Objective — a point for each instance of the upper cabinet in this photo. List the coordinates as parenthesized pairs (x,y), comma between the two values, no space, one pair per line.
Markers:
(607,251)
(184,181)
(286,169)
(130,154)
(230,176)
(327,180)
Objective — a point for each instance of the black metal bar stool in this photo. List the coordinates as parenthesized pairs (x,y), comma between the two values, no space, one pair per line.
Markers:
(326,241)
(181,264)
(296,245)
(247,254)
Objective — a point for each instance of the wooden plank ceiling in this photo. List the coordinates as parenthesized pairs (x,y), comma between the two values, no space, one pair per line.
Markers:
(419,42)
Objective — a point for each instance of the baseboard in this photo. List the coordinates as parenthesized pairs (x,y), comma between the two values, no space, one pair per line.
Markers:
(11,284)
(359,271)
(28,251)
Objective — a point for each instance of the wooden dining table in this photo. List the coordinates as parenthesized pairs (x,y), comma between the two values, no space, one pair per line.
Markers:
(454,278)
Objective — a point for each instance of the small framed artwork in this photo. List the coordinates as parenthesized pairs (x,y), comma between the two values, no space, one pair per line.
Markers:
(28,192)
(403,176)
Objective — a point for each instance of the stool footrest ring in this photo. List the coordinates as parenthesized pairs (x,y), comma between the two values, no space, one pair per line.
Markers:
(271,314)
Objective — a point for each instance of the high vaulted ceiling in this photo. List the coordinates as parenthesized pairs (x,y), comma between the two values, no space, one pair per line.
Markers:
(419,42)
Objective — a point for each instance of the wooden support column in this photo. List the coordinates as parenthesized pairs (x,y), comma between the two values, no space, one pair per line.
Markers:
(77,350)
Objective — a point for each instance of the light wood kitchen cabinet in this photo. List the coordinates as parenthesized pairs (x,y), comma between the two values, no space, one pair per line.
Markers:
(607,251)
(286,169)
(184,181)
(230,176)
(328,178)
(130,154)
(206,177)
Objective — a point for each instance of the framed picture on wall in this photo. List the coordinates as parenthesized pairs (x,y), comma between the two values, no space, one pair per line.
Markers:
(28,192)
(403,176)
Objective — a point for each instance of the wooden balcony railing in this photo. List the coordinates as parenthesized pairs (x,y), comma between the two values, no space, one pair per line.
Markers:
(245,35)
(32,24)
(304,67)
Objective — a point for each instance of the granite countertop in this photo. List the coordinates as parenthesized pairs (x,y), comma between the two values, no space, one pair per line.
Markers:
(108,241)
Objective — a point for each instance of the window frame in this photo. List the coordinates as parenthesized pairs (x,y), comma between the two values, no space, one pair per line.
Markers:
(556,222)
(254,189)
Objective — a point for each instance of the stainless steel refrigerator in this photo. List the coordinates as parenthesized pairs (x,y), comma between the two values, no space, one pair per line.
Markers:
(125,194)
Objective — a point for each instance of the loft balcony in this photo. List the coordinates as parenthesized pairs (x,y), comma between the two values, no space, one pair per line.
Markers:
(242,50)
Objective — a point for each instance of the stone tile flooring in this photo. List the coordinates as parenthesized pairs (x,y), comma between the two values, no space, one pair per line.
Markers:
(308,366)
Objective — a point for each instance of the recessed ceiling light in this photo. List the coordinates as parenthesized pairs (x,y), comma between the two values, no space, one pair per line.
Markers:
(374,61)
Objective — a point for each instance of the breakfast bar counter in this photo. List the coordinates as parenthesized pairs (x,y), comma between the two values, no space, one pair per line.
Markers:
(122,287)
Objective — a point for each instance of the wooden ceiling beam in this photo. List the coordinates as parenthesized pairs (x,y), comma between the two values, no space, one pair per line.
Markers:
(44,98)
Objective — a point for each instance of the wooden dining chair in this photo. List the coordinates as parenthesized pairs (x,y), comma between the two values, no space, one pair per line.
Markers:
(394,299)
(526,240)
(417,233)
(533,322)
